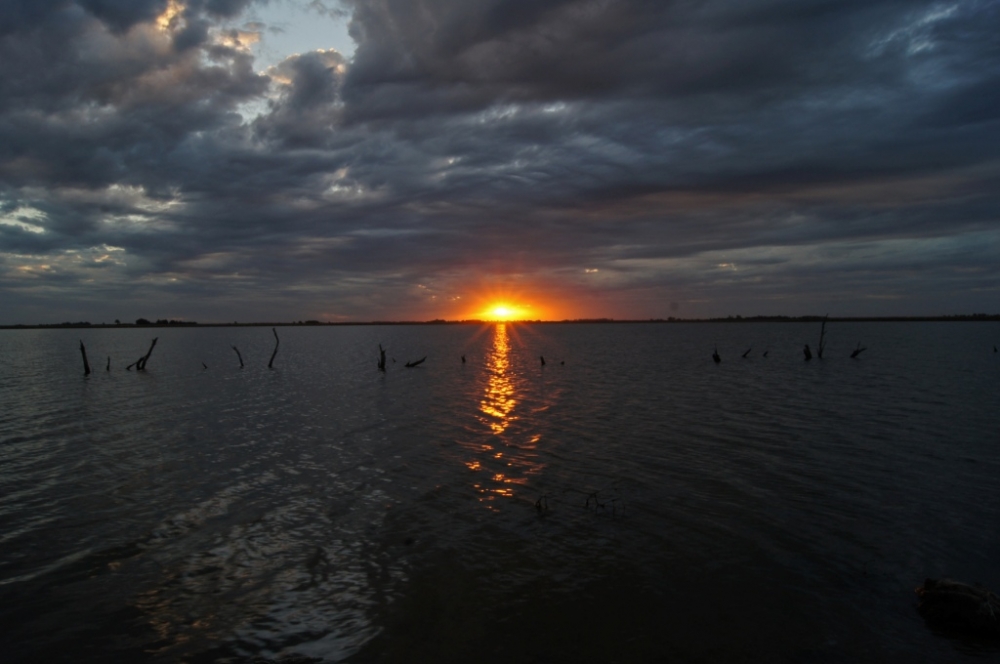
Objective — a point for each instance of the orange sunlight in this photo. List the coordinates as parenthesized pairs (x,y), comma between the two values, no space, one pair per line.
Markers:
(502,311)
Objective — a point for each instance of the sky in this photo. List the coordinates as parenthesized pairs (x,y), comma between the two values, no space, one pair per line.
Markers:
(359,160)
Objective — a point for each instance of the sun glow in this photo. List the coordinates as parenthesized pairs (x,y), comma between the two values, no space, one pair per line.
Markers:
(504,312)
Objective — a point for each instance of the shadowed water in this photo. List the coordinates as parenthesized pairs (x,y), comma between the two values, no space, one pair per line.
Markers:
(629,501)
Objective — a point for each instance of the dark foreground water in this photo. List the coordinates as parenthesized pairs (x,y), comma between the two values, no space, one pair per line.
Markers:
(762,509)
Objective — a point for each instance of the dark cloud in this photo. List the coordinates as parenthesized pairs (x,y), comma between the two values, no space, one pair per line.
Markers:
(767,156)
(123,14)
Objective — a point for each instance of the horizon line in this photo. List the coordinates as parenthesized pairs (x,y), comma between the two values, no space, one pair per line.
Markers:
(976,317)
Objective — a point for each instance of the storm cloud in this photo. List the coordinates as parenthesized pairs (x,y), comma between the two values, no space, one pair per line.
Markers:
(624,158)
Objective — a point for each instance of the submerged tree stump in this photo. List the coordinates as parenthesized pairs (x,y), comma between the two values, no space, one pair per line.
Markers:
(822,335)
(86,364)
(277,342)
(141,364)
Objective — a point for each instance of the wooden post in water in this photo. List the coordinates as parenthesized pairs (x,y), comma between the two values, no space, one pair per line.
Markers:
(270,365)
(86,364)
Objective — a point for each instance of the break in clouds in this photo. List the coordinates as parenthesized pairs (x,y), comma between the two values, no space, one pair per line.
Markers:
(624,158)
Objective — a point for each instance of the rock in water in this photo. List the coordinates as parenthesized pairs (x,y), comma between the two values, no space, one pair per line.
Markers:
(953,606)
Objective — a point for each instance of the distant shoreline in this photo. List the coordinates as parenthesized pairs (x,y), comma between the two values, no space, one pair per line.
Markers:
(585,321)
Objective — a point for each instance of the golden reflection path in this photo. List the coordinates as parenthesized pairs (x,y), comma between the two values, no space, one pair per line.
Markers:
(498,403)
(505,462)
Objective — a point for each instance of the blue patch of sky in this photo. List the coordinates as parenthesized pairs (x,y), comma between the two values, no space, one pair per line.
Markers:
(296,26)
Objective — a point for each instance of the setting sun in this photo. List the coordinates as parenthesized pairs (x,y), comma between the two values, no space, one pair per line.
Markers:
(504,312)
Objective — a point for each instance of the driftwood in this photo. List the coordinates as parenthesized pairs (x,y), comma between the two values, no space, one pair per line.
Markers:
(277,342)
(141,364)
(239,356)
(949,605)
(822,333)
(410,365)
(858,351)
(86,364)
(715,355)
(747,353)
(381,358)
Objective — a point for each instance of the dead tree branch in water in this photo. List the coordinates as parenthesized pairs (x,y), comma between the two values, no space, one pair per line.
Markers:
(86,364)
(108,368)
(858,351)
(822,333)
(415,363)
(239,356)
(277,342)
(381,358)
(141,364)
(747,353)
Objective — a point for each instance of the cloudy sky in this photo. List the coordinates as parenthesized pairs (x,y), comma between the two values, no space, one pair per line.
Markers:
(362,160)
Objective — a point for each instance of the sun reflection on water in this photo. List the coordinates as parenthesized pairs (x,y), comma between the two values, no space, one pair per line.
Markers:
(498,403)
(509,457)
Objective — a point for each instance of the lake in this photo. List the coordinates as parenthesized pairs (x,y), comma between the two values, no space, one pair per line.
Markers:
(629,501)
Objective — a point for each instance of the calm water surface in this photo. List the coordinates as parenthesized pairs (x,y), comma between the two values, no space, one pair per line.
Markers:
(630,501)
